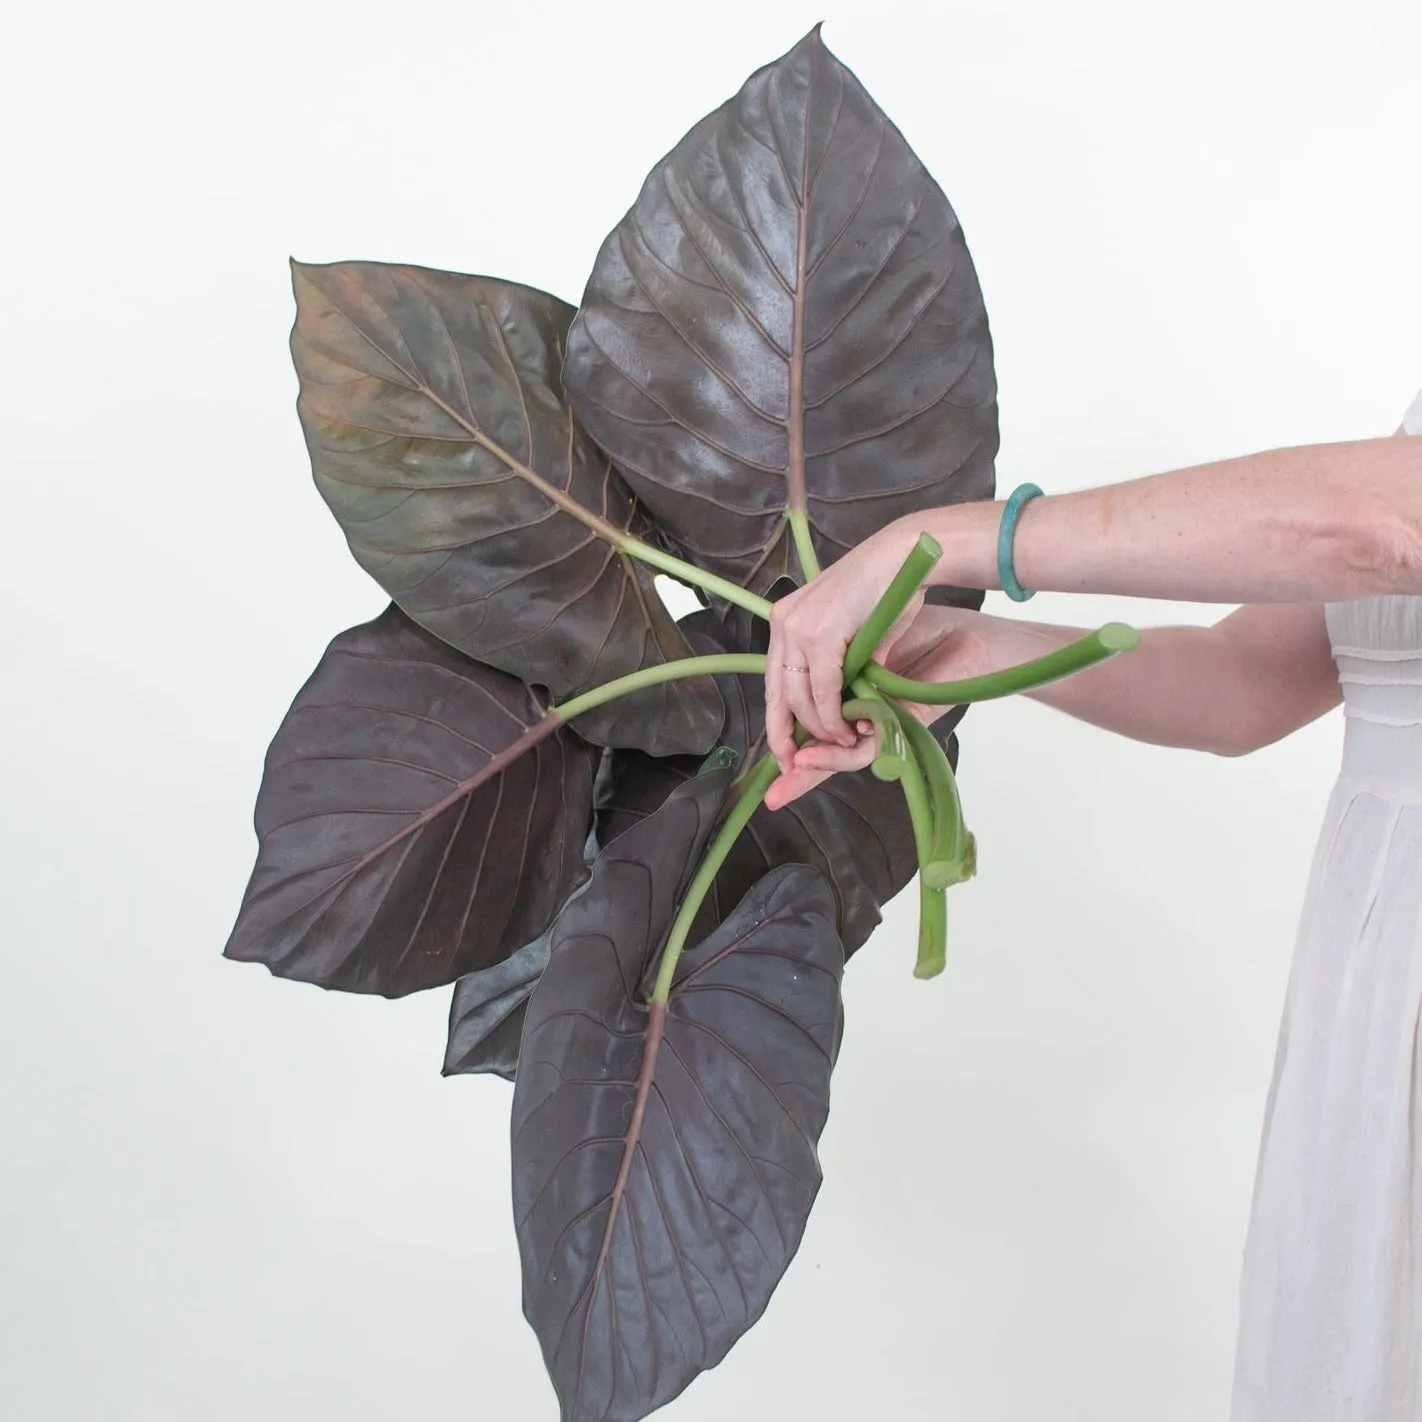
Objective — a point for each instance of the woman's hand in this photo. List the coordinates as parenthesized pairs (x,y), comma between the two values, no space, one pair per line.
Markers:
(810,631)
(937,644)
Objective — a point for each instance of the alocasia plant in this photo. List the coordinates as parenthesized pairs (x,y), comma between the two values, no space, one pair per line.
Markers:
(527,779)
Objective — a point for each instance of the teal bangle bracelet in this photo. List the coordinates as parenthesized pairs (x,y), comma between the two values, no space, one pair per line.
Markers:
(1006,532)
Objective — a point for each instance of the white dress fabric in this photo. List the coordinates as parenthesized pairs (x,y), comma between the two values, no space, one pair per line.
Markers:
(1331,1293)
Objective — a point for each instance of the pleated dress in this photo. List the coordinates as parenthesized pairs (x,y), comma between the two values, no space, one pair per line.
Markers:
(1331,1291)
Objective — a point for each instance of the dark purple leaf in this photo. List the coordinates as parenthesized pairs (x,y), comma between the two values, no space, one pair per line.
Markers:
(632,785)
(487,1010)
(788,319)
(418,819)
(439,436)
(486,1015)
(665,1159)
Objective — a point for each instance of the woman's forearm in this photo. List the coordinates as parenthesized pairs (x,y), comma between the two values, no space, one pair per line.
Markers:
(1310,524)
(1229,689)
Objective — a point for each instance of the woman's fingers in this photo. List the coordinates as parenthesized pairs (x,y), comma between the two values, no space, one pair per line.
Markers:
(790,692)
(806,657)
(817,761)
(800,699)
(826,679)
(779,718)
(835,758)
(791,787)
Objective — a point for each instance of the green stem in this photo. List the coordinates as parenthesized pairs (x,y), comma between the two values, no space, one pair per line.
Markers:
(932,905)
(888,751)
(932,930)
(897,596)
(743,663)
(804,544)
(757,784)
(887,740)
(697,577)
(919,806)
(947,862)
(1086,651)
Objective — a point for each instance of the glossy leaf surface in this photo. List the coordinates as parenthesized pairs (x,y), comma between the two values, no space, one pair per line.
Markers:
(665,1158)
(487,1012)
(440,438)
(405,836)
(788,319)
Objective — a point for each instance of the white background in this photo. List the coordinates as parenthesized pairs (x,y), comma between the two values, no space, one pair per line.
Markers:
(229,1198)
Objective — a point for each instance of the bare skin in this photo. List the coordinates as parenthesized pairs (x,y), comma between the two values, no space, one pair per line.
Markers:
(1282,532)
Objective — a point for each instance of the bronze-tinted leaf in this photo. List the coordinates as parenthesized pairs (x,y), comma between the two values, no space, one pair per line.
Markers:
(439,436)
(788,319)
(418,819)
(854,829)
(665,1158)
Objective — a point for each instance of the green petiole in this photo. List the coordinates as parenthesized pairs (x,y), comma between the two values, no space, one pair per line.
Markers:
(722,664)
(932,904)
(804,544)
(1107,641)
(888,741)
(897,596)
(757,783)
(948,859)
(689,573)
(932,931)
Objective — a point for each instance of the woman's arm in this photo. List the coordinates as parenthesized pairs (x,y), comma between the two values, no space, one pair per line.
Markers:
(1304,525)
(1317,523)
(1248,681)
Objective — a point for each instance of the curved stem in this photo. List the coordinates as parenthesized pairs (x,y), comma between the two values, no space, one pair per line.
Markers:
(723,663)
(887,740)
(897,596)
(919,806)
(1107,641)
(804,544)
(889,749)
(757,784)
(932,930)
(697,577)
(947,861)
(932,904)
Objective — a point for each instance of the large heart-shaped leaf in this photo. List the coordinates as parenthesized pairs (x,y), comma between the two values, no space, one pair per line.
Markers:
(440,437)
(665,1158)
(854,828)
(419,818)
(788,320)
